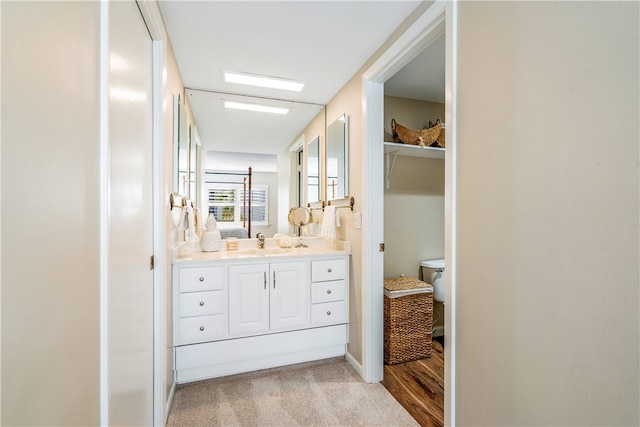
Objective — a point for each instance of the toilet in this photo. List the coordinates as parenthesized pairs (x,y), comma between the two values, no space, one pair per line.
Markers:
(432,272)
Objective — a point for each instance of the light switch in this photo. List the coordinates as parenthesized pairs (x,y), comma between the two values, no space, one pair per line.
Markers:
(357,220)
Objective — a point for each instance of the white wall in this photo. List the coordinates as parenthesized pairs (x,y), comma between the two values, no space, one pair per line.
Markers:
(50,213)
(348,101)
(173,87)
(548,210)
(413,215)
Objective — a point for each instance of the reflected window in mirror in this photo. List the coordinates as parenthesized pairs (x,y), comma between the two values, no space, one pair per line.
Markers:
(313,170)
(337,158)
(229,203)
(182,144)
(193,150)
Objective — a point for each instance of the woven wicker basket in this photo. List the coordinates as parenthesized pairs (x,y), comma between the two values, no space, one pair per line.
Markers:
(408,321)
(441,139)
(405,135)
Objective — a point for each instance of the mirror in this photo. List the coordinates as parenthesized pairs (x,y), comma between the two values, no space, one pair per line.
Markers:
(185,151)
(337,159)
(299,216)
(313,170)
(231,140)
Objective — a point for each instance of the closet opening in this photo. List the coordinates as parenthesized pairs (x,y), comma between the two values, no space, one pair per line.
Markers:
(414,211)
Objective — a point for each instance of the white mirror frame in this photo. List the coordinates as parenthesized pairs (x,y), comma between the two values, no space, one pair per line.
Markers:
(315,141)
(344,118)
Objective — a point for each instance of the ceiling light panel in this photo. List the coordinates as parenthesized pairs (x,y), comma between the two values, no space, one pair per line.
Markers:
(255,107)
(263,81)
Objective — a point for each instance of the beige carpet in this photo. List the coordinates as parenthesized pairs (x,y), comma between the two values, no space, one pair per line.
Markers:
(328,393)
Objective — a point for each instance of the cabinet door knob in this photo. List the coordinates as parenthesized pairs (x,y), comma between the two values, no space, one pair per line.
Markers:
(201,303)
(328,291)
(201,279)
(328,313)
(329,270)
(202,328)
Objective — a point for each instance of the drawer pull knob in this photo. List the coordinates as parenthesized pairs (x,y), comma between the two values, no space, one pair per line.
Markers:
(328,313)
(328,291)
(329,270)
(201,303)
(201,279)
(202,328)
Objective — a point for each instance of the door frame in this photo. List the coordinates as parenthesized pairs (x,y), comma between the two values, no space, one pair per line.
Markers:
(440,17)
(152,16)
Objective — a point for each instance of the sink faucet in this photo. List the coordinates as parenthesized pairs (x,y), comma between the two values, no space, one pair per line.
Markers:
(260,238)
(301,243)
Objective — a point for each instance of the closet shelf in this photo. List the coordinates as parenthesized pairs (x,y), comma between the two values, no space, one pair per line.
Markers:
(413,150)
(393,150)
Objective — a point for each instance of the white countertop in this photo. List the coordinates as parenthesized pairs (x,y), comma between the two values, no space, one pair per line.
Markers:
(248,249)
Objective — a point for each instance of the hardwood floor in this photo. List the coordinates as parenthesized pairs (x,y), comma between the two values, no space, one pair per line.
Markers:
(419,386)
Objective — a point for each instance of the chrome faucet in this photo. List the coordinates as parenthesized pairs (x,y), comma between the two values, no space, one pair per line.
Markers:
(260,238)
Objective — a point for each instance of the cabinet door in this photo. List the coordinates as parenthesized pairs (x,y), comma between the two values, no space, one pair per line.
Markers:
(248,299)
(289,299)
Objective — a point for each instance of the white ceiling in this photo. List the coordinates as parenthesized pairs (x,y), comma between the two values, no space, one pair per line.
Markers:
(321,43)
(423,77)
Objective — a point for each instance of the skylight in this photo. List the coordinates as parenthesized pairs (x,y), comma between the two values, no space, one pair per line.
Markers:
(255,107)
(263,81)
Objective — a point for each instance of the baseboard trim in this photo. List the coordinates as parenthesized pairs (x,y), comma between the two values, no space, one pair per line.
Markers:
(354,364)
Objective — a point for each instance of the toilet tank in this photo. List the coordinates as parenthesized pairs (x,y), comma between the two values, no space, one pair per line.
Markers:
(432,272)
(433,263)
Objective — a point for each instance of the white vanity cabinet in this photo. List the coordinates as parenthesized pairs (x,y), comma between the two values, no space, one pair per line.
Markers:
(268,297)
(200,305)
(328,291)
(240,314)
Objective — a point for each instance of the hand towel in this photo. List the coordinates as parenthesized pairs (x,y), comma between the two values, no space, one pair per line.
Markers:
(199,222)
(329,223)
(179,218)
(191,223)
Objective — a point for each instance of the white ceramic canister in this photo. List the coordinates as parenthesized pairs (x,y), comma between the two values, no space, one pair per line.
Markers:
(211,241)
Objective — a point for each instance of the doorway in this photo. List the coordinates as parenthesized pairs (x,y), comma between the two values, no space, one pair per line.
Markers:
(438,19)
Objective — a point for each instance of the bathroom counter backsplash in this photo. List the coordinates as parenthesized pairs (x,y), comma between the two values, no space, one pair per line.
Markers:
(248,248)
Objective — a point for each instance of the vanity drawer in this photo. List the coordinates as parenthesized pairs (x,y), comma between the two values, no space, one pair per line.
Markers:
(202,328)
(202,303)
(330,269)
(328,313)
(328,291)
(201,279)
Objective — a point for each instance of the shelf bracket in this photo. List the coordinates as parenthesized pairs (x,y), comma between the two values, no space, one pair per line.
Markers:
(389,165)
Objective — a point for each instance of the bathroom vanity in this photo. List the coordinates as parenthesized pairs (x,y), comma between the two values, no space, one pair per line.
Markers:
(248,309)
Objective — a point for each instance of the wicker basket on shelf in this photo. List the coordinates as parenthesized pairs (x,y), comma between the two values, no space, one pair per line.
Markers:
(408,320)
(423,137)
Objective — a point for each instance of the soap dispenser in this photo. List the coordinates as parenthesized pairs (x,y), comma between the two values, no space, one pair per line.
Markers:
(211,239)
